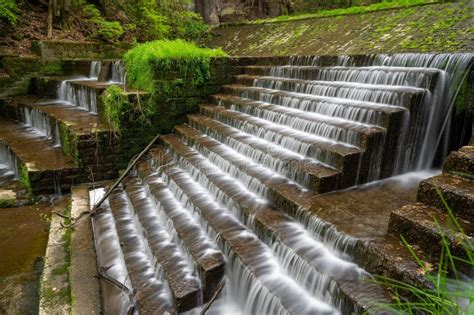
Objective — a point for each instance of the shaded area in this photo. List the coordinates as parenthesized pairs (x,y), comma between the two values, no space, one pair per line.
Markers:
(23,238)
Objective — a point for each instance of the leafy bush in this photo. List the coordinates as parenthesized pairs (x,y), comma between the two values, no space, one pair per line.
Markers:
(142,60)
(107,30)
(8,10)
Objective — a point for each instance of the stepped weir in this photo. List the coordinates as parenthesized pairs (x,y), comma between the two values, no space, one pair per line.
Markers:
(226,197)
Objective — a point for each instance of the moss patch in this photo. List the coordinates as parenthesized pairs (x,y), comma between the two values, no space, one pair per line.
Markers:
(443,27)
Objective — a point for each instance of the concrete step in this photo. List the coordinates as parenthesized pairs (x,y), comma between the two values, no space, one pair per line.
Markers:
(118,242)
(461,162)
(42,167)
(269,225)
(408,97)
(369,75)
(209,261)
(337,129)
(81,135)
(310,173)
(387,116)
(456,191)
(427,227)
(340,156)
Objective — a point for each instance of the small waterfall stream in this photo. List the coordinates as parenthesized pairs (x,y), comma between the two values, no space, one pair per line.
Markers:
(277,130)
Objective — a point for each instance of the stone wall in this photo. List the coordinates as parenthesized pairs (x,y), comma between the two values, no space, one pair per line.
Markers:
(429,28)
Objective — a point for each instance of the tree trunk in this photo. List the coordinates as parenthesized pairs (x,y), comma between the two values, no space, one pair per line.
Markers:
(50,19)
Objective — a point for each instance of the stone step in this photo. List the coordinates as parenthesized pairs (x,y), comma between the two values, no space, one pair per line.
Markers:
(343,157)
(256,177)
(50,86)
(387,116)
(178,270)
(42,167)
(369,75)
(408,97)
(210,261)
(461,162)
(456,191)
(337,129)
(427,227)
(308,172)
(269,225)
(125,258)
(80,134)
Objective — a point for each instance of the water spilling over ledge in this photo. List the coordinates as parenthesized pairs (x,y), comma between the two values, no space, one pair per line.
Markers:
(236,184)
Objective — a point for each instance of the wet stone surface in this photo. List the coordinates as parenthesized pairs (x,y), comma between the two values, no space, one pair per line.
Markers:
(23,235)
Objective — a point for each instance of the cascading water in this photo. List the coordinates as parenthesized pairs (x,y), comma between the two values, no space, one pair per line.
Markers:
(95,70)
(39,122)
(80,95)
(118,72)
(8,161)
(278,129)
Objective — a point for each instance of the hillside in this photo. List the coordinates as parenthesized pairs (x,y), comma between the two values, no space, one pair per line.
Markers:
(444,27)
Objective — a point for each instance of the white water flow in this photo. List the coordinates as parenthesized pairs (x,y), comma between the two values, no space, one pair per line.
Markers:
(228,187)
(95,70)
(118,72)
(80,91)
(8,161)
(38,121)
(425,84)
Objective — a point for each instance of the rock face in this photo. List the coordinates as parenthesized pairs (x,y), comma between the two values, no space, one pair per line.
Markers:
(219,11)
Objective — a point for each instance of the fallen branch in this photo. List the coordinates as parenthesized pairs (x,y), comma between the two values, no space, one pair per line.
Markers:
(214,297)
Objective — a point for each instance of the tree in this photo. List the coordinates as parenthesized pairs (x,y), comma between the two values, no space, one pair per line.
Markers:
(58,10)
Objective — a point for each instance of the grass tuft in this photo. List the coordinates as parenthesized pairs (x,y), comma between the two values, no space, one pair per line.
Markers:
(142,59)
(451,292)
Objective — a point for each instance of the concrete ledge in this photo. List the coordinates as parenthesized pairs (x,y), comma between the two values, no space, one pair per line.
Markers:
(55,290)
(85,290)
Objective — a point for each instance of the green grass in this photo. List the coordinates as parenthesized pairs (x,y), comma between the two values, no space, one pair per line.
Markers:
(343,11)
(145,58)
(446,281)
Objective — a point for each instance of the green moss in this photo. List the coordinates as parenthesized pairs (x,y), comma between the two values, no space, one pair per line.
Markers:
(116,105)
(25,181)
(68,143)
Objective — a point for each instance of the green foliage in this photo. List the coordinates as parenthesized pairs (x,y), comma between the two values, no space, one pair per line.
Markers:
(8,11)
(25,181)
(448,288)
(116,105)
(158,56)
(106,30)
(345,11)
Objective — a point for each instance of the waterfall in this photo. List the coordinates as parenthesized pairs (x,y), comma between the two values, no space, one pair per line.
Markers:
(37,120)
(8,161)
(95,70)
(118,72)
(237,181)
(84,96)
